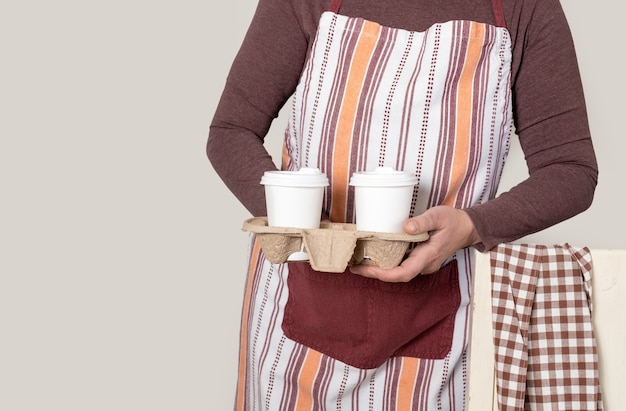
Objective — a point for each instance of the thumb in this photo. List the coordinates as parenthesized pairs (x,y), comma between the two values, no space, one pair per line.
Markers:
(420,224)
(428,221)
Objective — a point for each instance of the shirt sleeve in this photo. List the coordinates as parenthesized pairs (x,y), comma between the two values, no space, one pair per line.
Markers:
(551,122)
(262,77)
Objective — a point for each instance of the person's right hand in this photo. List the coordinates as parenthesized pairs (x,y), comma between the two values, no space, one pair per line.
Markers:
(450,229)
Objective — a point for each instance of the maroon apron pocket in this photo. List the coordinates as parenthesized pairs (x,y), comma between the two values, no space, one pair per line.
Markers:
(363,321)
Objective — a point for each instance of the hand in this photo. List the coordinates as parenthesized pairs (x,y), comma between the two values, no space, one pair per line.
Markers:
(450,230)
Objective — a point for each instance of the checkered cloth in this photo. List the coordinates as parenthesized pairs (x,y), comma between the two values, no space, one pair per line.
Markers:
(546,353)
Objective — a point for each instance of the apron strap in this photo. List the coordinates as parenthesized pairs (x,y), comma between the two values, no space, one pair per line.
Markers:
(335,5)
(498,13)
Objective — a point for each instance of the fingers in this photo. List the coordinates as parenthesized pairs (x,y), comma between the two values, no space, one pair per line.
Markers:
(398,274)
(418,262)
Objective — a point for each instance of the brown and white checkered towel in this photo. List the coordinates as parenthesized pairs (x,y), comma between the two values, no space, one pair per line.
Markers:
(546,353)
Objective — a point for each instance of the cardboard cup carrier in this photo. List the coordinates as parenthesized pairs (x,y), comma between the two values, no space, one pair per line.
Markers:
(292,231)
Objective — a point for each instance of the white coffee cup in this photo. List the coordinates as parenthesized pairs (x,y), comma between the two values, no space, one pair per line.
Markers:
(294,198)
(382,199)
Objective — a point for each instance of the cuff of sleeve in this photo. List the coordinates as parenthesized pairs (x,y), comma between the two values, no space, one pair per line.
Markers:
(487,242)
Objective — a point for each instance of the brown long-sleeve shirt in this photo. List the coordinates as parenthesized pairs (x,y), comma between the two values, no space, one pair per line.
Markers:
(549,108)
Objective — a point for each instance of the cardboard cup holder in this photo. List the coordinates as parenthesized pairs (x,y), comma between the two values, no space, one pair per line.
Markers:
(333,246)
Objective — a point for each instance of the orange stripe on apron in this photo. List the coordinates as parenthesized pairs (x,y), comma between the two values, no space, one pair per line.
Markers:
(465,111)
(408,376)
(306,378)
(243,348)
(285,158)
(342,148)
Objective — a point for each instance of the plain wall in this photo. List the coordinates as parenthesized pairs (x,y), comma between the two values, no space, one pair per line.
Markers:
(122,262)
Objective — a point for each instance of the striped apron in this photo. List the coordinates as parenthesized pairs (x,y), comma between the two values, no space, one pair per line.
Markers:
(435,103)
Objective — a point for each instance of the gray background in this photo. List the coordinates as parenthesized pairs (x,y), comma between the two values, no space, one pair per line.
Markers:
(122,262)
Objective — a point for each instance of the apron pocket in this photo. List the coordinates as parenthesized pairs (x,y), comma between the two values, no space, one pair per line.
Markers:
(363,321)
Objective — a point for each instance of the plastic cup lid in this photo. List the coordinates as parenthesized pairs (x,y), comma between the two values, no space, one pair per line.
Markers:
(383,177)
(305,177)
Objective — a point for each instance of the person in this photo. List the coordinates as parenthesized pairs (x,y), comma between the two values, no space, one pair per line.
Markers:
(428,87)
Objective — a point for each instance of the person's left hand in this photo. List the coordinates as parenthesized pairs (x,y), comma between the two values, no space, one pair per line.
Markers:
(450,229)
